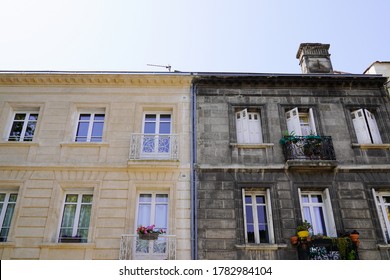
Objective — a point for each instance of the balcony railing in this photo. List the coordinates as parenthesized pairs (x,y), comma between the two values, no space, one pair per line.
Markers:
(310,147)
(133,248)
(340,248)
(154,146)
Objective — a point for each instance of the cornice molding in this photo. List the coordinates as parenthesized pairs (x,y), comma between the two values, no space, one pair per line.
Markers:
(98,80)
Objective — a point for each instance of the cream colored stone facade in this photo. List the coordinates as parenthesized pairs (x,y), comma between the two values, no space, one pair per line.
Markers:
(44,170)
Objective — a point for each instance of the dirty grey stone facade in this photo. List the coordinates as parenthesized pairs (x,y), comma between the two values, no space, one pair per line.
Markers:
(225,168)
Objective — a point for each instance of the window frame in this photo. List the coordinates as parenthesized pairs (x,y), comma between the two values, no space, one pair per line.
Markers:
(91,122)
(293,120)
(153,208)
(4,209)
(76,219)
(253,193)
(380,206)
(329,222)
(28,113)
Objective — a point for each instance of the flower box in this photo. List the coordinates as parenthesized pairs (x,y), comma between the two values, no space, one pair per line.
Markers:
(148,236)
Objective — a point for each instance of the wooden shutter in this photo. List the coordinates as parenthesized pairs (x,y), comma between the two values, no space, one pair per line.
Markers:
(254,125)
(373,127)
(293,123)
(361,128)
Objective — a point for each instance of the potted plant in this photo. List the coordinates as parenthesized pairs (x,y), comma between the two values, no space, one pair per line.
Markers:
(148,232)
(303,229)
(294,240)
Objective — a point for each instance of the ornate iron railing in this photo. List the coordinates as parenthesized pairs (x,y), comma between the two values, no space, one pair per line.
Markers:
(340,248)
(133,248)
(310,147)
(154,146)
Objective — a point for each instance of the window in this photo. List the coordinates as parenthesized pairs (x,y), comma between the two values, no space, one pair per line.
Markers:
(156,134)
(317,210)
(365,126)
(153,210)
(75,218)
(257,215)
(23,126)
(382,200)
(300,122)
(248,127)
(90,127)
(7,208)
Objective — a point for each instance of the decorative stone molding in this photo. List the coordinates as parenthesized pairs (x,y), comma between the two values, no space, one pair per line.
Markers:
(100,79)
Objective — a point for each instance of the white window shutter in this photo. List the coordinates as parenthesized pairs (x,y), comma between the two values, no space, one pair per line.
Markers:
(240,136)
(361,128)
(293,123)
(312,122)
(329,219)
(255,135)
(373,127)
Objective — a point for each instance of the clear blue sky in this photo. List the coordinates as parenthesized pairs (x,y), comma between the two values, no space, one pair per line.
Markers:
(259,36)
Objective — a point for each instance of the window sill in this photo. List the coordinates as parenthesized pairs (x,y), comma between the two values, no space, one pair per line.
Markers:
(67,245)
(84,144)
(261,247)
(19,144)
(384,246)
(153,163)
(252,146)
(371,146)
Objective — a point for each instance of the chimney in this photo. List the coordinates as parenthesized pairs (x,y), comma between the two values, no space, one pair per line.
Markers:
(314,58)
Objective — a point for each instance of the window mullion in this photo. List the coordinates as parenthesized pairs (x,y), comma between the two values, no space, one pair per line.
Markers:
(255,219)
(3,210)
(90,126)
(25,122)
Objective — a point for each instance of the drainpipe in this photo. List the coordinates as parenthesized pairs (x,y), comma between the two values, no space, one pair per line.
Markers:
(194,208)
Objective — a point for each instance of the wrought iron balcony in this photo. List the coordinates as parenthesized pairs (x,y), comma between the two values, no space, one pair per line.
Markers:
(310,147)
(154,146)
(133,248)
(340,248)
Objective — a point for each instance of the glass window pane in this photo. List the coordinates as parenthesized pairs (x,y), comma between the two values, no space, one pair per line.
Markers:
(248,199)
(250,233)
(145,198)
(260,199)
(8,215)
(305,198)
(85,117)
(85,215)
(30,129)
(13,197)
(263,233)
(162,198)
(386,199)
(150,117)
(165,118)
(320,221)
(99,117)
(20,117)
(144,211)
(261,214)
(71,198)
(33,117)
(316,198)
(249,214)
(87,198)
(16,131)
(165,128)
(82,130)
(306,214)
(97,129)
(161,216)
(68,216)
(2,196)
(150,128)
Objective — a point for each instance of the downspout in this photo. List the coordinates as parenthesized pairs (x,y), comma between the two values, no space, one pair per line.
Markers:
(193,205)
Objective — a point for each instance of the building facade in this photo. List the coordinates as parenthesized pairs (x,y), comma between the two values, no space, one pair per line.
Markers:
(85,158)
(273,150)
